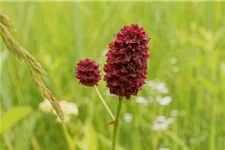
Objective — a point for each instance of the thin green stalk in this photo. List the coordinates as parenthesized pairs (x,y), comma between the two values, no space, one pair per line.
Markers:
(34,143)
(116,123)
(106,106)
(69,140)
(8,142)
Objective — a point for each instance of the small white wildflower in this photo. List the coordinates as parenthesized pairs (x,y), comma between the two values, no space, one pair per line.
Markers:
(175,69)
(161,123)
(128,117)
(151,83)
(164,148)
(161,118)
(159,126)
(173,60)
(159,86)
(164,101)
(45,106)
(69,108)
(174,113)
(141,100)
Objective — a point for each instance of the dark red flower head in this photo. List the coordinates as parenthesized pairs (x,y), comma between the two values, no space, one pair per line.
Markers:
(126,66)
(87,72)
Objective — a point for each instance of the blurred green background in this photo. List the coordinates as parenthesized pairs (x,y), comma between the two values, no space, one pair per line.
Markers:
(187,50)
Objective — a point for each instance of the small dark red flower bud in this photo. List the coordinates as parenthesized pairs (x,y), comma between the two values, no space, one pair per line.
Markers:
(87,72)
(126,66)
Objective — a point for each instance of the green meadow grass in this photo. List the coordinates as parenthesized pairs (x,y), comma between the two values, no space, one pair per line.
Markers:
(59,34)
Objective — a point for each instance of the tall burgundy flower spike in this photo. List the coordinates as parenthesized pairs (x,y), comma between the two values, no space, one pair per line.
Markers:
(126,66)
(87,72)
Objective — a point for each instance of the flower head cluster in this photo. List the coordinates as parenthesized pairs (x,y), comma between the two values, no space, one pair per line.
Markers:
(126,66)
(87,72)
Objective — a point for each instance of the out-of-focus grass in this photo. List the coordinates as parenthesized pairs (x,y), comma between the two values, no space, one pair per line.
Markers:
(59,34)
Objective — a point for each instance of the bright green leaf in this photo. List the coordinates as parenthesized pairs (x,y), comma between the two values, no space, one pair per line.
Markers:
(12,116)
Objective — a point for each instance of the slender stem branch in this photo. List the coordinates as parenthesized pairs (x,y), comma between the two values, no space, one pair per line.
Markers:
(34,143)
(69,140)
(8,142)
(116,123)
(106,106)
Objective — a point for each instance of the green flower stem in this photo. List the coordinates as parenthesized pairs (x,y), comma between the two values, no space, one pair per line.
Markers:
(106,106)
(69,140)
(8,142)
(116,123)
